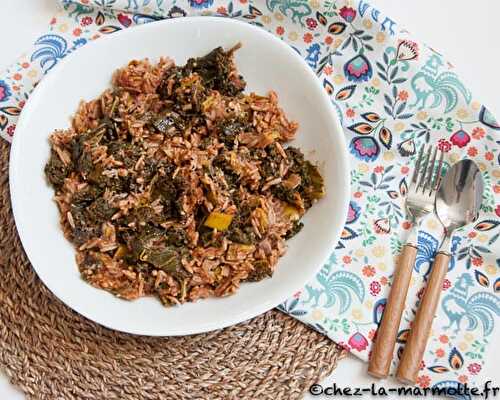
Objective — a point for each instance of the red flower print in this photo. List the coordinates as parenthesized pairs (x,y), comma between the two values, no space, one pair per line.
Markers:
(460,138)
(444,145)
(472,234)
(358,342)
(374,288)
(403,95)
(384,281)
(474,368)
(77,32)
(311,23)
(446,284)
(350,113)
(496,188)
(497,211)
(21,103)
(243,1)
(378,169)
(489,156)
(346,259)
(405,170)
(358,195)
(53,21)
(348,13)
(221,10)
(422,365)
(25,65)
(124,20)
(308,37)
(11,129)
(372,335)
(440,353)
(477,261)
(463,378)
(328,40)
(472,151)
(368,270)
(297,294)
(478,133)
(443,339)
(17,77)
(423,381)
(280,30)
(86,21)
(328,70)
(406,225)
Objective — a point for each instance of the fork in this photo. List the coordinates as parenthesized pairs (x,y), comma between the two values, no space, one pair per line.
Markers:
(419,203)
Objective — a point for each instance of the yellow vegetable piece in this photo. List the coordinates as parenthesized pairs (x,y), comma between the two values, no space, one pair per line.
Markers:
(218,220)
(262,217)
(291,212)
(120,251)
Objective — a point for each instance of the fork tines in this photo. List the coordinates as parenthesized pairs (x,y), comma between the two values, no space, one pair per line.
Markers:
(427,175)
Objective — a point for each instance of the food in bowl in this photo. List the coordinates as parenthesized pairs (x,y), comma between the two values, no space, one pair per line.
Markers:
(176,184)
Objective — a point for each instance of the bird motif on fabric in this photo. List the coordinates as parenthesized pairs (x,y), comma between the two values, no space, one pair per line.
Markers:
(50,49)
(338,288)
(295,9)
(432,87)
(481,307)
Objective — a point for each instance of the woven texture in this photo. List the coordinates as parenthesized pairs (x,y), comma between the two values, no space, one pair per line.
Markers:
(51,352)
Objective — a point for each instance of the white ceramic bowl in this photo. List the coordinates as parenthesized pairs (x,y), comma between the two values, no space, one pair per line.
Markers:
(266,63)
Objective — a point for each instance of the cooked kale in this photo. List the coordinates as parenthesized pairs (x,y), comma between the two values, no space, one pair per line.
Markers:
(56,171)
(297,227)
(170,191)
(241,230)
(229,130)
(262,270)
(100,211)
(171,119)
(214,69)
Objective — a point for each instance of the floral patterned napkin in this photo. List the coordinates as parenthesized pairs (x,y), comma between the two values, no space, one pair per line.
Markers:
(392,95)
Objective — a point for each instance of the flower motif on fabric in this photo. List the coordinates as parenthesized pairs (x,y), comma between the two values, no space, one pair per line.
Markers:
(353,213)
(348,13)
(5,92)
(460,138)
(201,3)
(358,342)
(358,69)
(407,50)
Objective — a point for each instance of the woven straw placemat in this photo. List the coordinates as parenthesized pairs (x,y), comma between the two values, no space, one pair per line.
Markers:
(51,352)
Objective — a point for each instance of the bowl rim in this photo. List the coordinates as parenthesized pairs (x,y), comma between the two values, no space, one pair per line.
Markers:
(229,320)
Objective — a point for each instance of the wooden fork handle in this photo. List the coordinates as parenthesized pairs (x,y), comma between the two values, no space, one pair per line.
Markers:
(380,360)
(417,340)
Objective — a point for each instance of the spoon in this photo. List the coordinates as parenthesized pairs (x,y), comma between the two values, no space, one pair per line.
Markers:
(457,204)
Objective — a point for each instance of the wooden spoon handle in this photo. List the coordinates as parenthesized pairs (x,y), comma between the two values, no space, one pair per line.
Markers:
(380,360)
(417,340)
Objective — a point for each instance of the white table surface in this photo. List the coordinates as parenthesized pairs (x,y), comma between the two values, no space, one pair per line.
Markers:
(466,32)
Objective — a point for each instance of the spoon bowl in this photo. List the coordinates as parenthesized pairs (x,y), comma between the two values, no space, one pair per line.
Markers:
(459,197)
